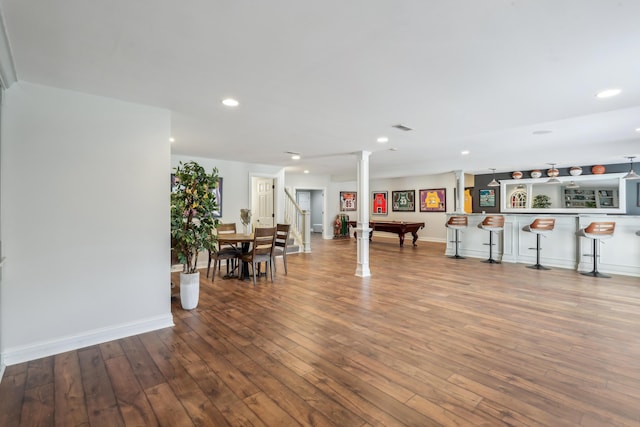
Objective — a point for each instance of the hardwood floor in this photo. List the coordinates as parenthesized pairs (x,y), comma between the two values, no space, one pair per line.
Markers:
(425,341)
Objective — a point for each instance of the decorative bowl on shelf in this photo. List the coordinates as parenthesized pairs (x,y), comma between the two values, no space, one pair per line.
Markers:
(536,173)
(516,175)
(597,170)
(575,170)
(553,172)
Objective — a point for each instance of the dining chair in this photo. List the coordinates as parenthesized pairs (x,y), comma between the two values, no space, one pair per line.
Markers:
(230,253)
(261,250)
(280,245)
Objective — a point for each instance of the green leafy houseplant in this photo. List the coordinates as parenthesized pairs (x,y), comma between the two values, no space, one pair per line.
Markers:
(192,205)
(541,201)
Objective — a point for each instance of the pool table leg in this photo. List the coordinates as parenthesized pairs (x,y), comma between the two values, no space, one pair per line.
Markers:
(415,238)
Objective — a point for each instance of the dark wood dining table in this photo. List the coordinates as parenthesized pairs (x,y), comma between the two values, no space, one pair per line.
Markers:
(236,239)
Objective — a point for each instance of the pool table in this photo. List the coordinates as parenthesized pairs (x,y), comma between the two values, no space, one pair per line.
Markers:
(398,227)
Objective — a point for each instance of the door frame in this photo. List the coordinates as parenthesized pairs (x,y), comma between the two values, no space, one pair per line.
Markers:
(325,228)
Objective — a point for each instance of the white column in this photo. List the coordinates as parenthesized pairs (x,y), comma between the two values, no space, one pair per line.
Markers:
(362,229)
(460,183)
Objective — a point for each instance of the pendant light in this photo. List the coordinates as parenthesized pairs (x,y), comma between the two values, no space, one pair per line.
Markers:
(493,182)
(573,184)
(553,172)
(631,174)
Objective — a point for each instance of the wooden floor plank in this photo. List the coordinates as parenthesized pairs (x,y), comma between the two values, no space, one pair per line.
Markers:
(426,340)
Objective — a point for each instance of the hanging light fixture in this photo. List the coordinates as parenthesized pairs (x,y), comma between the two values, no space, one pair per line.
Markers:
(493,182)
(553,173)
(631,174)
(573,184)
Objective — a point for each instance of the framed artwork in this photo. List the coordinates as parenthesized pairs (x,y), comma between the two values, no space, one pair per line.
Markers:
(348,201)
(379,202)
(218,193)
(487,198)
(433,200)
(403,201)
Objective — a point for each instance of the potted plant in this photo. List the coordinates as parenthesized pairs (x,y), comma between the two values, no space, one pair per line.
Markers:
(541,201)
(192,223)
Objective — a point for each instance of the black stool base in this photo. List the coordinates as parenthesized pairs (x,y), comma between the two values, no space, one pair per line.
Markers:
(538,267)
(456,256)
(596,274)
(491,261)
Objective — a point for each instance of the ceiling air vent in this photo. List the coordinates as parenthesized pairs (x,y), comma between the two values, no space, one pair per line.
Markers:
(400,126)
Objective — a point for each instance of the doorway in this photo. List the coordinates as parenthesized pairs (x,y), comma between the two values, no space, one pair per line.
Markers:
(313,201)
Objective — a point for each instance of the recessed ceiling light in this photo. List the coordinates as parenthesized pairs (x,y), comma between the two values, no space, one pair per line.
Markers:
(306,171)
(464,152)
(172,139)
(383,139)
(541,132)
(295,157)
(230,102)
(608,93)
(637,129)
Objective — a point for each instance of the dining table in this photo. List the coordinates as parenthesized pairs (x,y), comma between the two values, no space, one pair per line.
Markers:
(243,240)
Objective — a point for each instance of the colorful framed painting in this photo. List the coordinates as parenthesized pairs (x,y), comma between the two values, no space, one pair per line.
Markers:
(379,202)
(433,200)
(348,201)
(487,198)
(403,201)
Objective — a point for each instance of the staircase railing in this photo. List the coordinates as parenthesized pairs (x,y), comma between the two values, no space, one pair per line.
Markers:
(300,221)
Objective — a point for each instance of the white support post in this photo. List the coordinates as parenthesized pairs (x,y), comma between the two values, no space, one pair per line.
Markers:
(362,228)
(460,183)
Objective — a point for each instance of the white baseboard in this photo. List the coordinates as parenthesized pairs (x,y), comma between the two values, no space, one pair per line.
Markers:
(37,350)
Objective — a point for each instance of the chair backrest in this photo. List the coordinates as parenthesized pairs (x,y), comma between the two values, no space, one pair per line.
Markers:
(493,221)
(602,228)
(459,221)
(543,223)
(282,235)
(229,228)
(263,239)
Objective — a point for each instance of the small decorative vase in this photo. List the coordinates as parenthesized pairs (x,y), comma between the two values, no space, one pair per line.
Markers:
(189,290)
(598,170)
(536,173)
(516,175)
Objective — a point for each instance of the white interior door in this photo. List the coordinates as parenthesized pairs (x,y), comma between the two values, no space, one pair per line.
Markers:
(263,190)
(303,199)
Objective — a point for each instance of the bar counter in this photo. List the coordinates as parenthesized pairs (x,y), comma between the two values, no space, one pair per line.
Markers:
(562,248)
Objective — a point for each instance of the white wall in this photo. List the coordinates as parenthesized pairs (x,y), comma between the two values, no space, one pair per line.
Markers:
(434,230)
(85,220)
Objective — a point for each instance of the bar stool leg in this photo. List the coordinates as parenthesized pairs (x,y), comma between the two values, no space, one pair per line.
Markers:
(595,272)
(537,265)
(491,260)
(457,256)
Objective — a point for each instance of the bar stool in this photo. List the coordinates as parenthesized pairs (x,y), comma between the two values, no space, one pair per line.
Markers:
(492,223)
(457,223)
(541,227)
(597,231)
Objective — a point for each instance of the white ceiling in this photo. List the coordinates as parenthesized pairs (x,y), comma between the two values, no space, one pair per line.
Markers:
(326,78)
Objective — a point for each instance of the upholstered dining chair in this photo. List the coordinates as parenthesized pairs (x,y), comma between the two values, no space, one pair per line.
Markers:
(280,245)
(261,250)
(229,253)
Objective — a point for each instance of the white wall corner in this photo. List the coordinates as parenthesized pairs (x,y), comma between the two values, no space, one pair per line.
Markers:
(41,349)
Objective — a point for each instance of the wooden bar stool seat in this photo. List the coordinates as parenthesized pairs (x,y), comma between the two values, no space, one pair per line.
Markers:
(493,224)
(541,227)
(597,231)
(457,223)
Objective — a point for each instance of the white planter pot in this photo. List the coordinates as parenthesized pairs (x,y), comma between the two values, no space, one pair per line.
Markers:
(189,290)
